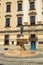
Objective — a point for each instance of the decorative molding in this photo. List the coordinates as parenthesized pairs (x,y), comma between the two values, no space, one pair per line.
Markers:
(39,22)
(33,39)
(19,15)
(12,31)
(8,2)
(31,0)
(19,1)
(32,13)
(7,15)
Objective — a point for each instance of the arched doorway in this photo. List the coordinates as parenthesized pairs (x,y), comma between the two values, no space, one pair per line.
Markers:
(33,40)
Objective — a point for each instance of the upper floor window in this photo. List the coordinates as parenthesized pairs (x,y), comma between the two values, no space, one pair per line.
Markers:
(19,6)
(7,22)
(19,21)
(8,8)
(32,20)
(32,5)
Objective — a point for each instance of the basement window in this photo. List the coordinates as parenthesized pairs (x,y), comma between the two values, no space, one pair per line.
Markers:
(6,49)
(41,42)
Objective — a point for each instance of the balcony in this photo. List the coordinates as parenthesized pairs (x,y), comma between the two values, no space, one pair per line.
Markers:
(33,27)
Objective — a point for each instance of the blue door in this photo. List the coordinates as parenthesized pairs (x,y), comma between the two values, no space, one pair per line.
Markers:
(33,45)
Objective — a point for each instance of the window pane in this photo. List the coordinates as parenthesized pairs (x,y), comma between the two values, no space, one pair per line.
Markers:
(8,22)
(6,37)
(20,7)
(32,20)
(19,20)
(32,5)
(8,8)
(6,40)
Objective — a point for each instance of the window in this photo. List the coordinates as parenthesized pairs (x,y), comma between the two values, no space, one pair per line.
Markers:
(32,5)
(12,42)
(32,20)
(6,39)
(41,42)
(7,22)
(18,36)
(18,43)
(19,21)
(19,6)
(33,35)
(8,8)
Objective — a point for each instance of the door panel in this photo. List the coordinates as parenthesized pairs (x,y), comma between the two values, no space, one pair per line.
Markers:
(33,45)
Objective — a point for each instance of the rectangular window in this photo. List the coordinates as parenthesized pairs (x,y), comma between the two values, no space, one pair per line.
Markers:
(32,5)
(7,22)
(6,40)
(32,20)
(8,8)
(20,7)
(18,36)
(41,42)
(19,21)
(33,35)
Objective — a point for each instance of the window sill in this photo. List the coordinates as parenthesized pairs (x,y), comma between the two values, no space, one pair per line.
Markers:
(8,11)
(19,10)
(7,26)
(18,25)
(32,9)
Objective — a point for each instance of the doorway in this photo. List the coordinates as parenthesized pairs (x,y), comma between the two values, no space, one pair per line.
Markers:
(33,45)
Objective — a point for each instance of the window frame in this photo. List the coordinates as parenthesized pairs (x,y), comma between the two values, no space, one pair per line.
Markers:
(8,9)
(18,21)
(32,22)
(32,7)
(6,41)
(19,7)
(7,24)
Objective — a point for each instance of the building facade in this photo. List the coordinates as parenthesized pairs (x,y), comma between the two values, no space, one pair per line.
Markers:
(21,21)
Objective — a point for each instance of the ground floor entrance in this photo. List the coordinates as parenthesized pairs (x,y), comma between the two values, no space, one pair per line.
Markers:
(33,45)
